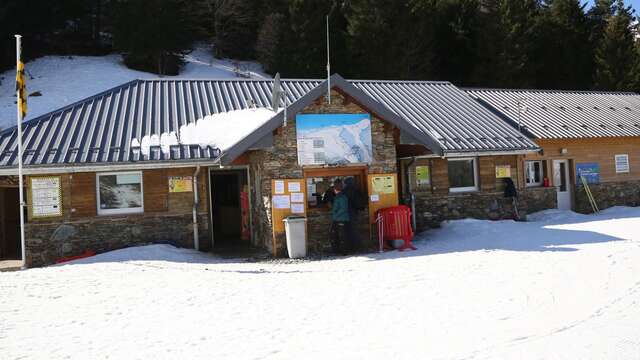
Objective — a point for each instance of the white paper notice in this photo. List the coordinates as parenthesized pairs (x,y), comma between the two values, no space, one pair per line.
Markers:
(281,202)
(297,208)
(294,187)
(297,197)
(375,198)
(45,197)
(279,187)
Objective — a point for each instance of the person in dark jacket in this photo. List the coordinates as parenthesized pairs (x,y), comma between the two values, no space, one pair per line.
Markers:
(340,218)
(511,192)
(354,195)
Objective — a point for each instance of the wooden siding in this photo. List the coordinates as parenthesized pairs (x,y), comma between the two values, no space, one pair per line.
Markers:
(79,199)
(602,151)
(156,190)
(82,195)
(488,182)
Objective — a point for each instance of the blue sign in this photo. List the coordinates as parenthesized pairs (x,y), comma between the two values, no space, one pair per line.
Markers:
(590,171)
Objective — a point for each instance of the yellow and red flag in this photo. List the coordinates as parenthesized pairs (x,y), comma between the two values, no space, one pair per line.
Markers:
(21,89)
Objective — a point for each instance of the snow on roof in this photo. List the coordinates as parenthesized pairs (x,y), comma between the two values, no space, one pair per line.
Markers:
(218,131)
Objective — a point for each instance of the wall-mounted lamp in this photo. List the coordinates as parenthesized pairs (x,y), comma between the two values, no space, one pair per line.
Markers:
(564,151)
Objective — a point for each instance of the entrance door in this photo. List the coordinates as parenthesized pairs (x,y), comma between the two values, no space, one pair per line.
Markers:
(9,224)
(562,183)
(230,209)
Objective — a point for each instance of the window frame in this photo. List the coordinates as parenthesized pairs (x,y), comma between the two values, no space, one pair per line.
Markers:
(475,187)
(615,163)
(125,211)
(526,168)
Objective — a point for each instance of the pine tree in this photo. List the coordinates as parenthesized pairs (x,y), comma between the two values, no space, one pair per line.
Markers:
(390,39)
(599,15)
(635,72)
(616,54)
(236,28)
(563,52)
(153,34)
(270,46)
(505,50)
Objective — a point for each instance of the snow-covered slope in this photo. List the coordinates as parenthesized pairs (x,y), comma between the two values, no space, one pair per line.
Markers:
(564,286)
(63,79)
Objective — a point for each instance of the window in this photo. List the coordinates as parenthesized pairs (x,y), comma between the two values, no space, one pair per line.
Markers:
(463,175)
(622,163)
(533,173)
(119,193)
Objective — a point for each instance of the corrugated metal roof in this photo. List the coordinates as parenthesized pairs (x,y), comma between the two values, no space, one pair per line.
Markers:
(552,114)
(99,129)
(448,114)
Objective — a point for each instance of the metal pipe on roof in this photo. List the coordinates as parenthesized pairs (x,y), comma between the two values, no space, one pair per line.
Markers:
(196,239)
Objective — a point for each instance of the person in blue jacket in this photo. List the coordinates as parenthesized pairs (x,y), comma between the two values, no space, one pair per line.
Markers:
(340,218)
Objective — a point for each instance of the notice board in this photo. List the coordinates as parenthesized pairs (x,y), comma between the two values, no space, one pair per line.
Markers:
(46,197)
(590,171)
(288,197)
(383,193)
(503,171)
(179,184)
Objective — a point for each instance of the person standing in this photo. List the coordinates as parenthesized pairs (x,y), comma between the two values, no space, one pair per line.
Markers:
(340,219)
(354,199)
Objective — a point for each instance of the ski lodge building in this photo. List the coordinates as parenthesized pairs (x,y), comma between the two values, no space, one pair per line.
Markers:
(580,133)
(210,164)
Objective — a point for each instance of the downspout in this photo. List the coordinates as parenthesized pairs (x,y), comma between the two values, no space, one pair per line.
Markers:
(412,196)
(196,239)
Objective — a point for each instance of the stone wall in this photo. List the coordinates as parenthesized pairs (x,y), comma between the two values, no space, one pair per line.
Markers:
(435,203)
(281,162)
(48,242)
(432,209)
(539,198)
(607,195)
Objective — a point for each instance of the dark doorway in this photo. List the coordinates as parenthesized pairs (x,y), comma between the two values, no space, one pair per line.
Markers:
(9,224)
(230,210)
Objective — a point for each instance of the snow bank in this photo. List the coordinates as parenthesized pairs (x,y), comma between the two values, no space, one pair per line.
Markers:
(546,289)
(63,80)
(218,131)
(158,252)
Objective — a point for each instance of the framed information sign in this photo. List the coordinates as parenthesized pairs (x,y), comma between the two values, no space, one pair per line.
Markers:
(46,197)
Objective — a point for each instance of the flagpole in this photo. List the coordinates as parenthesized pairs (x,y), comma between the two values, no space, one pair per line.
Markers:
(328,66)
(20,182)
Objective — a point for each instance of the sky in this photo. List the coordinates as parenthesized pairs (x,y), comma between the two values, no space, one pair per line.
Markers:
(634,3)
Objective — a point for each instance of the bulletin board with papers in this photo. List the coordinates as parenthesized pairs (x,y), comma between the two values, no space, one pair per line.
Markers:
(288,197)
(383,193)
(46,197)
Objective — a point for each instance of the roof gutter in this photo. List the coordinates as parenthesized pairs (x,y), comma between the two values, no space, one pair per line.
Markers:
(472,153)
(490,153)
(39,170)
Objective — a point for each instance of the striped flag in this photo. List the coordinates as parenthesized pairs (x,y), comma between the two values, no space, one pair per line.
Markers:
(21,89)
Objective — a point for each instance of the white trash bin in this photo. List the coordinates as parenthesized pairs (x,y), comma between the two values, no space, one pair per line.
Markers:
(295,228)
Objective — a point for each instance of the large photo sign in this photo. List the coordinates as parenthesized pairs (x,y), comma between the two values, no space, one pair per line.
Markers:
(333,138)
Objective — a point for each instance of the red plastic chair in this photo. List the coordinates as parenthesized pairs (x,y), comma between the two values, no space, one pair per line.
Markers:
(394,223)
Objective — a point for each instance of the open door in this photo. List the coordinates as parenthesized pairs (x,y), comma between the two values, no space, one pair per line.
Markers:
(9,224)
(230,212)
(561,181)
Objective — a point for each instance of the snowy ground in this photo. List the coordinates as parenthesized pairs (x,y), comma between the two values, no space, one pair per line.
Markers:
(564,286)
(63,80)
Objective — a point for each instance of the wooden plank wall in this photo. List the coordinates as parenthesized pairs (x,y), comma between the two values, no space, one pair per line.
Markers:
(79,199)
(602,151)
